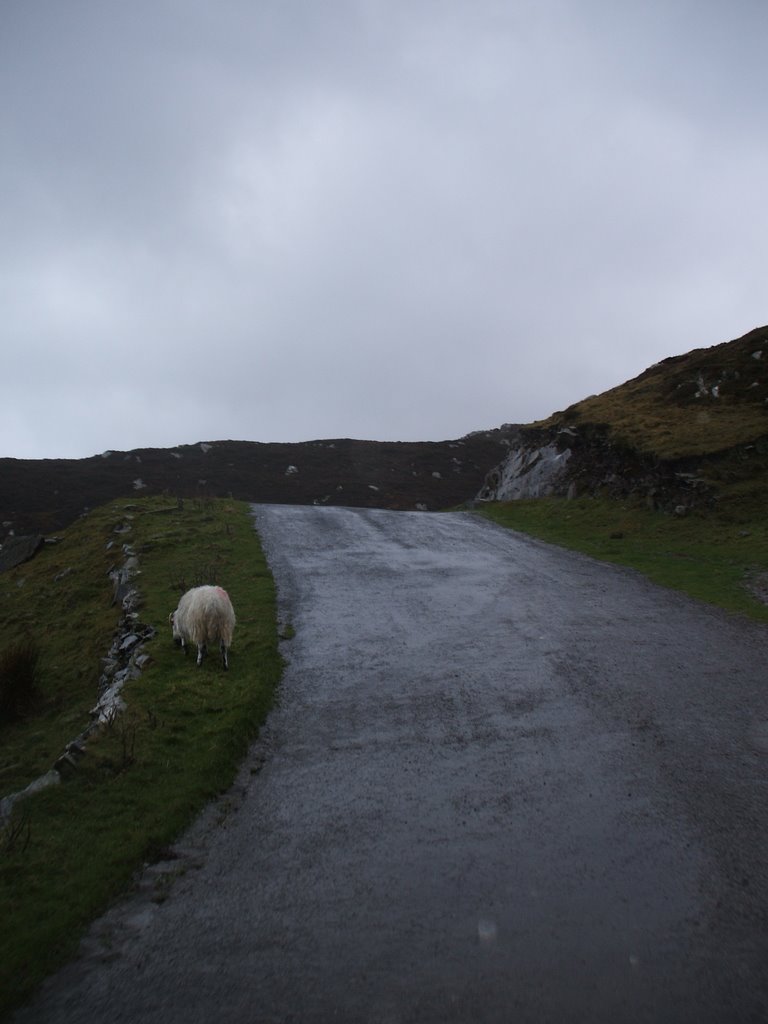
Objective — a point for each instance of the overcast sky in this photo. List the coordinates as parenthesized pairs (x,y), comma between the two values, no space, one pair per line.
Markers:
(281,220)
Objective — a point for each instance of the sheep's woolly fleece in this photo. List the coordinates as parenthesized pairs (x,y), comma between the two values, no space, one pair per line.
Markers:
(205,616)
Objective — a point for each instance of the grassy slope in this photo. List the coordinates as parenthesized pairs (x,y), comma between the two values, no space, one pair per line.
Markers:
(702,556)
(710,407)
(179,743)
(705,401)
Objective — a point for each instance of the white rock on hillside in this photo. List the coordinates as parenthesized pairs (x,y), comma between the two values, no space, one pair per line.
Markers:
(527,472)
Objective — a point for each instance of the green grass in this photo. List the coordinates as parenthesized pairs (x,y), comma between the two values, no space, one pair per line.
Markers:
(71,850)
(704,556)
(642,418)
(706,401)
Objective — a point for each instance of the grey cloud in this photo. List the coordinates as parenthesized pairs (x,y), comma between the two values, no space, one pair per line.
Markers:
(365,218)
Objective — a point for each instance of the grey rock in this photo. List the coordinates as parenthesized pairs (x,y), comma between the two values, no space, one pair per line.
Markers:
(51,778)
(17,550)
(66,764)
(529,471)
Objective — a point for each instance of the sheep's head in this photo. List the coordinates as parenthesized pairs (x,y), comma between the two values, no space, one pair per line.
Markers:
(174,632)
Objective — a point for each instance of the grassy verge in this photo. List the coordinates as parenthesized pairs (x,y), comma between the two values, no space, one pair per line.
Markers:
(70,850)
(705,557)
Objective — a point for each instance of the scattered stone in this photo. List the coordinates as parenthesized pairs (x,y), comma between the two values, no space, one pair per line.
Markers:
(51,778)
(63,574)
(110,704)
(16,550)
(66,764)
(123,663)
(130,602)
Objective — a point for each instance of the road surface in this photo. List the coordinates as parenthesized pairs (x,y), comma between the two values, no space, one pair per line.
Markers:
(503,783)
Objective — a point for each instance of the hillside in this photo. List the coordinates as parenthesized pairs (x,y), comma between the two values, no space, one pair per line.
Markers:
(706,401)
(690,431)
(43,495)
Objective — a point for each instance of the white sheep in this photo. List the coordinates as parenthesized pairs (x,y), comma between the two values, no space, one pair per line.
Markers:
(204,616)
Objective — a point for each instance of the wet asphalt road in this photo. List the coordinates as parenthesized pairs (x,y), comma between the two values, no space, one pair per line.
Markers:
(504,783)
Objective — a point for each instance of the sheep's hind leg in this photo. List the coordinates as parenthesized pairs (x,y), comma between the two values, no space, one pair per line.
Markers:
(224,654)
(200,653)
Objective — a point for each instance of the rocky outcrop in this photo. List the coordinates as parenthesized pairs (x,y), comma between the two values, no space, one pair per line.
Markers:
(126,657)
(529,471)
(571,461)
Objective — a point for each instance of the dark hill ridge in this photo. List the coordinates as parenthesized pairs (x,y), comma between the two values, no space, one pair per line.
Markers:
(687,431)
(43,495)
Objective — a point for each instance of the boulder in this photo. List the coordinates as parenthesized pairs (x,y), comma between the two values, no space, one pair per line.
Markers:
(16,550)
